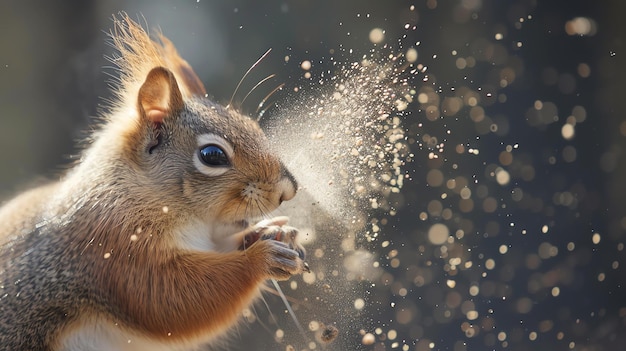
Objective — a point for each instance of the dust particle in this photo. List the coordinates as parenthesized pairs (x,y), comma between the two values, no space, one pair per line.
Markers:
(368,339)
(328,334)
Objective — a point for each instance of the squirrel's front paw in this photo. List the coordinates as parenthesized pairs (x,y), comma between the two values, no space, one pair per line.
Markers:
(282,261)
(275,229)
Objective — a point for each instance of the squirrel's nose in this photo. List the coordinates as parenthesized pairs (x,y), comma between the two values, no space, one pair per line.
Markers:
(288,186)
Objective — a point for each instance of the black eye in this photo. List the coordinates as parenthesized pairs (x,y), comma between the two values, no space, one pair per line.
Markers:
(214,156)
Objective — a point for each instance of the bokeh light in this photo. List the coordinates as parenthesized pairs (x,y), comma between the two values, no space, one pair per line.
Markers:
(461,162)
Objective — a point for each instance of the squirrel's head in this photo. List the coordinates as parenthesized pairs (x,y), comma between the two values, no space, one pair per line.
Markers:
(191,154)
(216,159)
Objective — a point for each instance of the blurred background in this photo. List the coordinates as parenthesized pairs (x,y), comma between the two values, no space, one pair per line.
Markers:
(508,231)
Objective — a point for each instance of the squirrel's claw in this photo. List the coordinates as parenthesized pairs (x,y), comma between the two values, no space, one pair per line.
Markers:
(276,230)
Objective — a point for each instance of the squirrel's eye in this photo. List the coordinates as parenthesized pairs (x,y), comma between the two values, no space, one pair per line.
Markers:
(213,156)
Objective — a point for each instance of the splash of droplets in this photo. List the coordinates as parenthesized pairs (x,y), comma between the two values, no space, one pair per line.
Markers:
(481,260)
(343,138)
(346,146)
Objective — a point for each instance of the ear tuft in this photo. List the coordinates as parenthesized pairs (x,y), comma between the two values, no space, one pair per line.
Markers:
(190,83)
(159,96)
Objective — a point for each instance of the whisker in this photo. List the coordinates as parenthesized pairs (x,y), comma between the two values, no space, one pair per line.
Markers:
(246,210)
(250,205)
(293,301)
(265,99)
(238,207)
(256,86)
(245,75)
(289,309)
(269,310)
(263,208)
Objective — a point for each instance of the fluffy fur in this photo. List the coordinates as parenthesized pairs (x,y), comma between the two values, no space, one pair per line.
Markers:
(136,245)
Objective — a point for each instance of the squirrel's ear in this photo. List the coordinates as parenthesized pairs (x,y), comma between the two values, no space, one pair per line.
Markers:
(159,95)
(190,83)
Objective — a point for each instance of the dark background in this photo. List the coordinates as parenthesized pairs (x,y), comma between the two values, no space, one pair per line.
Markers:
(52,82)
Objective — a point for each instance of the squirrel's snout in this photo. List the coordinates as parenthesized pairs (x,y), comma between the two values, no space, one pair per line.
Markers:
(288,186)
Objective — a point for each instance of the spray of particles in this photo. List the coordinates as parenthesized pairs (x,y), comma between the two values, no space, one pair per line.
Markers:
(346,146)
(443,202)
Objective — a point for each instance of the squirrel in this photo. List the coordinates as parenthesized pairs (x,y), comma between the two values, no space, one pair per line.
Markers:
(146,242)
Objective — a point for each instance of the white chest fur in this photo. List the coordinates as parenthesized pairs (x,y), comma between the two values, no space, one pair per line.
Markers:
(106,336)
(197,235)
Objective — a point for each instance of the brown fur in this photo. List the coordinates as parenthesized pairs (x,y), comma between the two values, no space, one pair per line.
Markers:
(106,243)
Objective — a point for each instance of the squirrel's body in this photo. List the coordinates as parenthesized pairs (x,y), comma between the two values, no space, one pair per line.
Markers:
(138,246)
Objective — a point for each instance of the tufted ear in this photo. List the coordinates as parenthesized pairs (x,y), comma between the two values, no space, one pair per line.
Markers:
(159,96)
(189,81)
